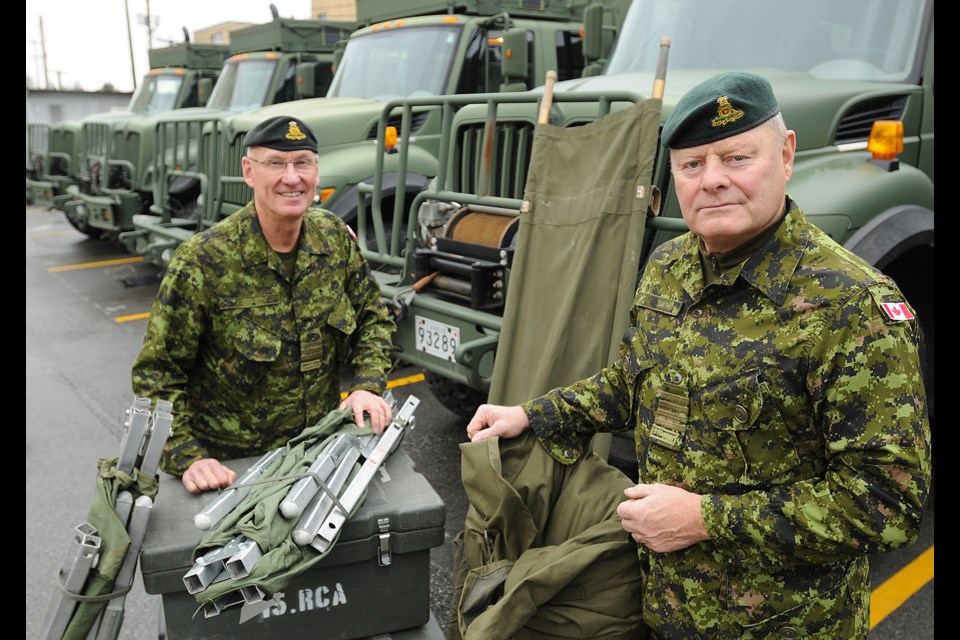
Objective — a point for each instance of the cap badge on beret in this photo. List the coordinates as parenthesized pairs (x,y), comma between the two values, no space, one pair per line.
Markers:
(725,113)
(294,132)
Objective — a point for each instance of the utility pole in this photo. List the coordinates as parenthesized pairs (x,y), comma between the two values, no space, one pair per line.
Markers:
(43,52)
(149,28)
(133,65)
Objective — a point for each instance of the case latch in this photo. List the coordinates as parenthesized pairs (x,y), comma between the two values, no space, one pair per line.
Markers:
(383,556)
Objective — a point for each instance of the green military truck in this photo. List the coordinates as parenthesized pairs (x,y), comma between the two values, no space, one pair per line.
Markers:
(837,68)
(408,48)
(65,156)
(278,61)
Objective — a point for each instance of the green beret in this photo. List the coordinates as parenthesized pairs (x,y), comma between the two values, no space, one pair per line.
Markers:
(719,107)
(283,133)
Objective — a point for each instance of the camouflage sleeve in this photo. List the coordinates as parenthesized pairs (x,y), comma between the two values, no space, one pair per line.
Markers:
(170,344)
(868,399)
(565,419)
(373,338)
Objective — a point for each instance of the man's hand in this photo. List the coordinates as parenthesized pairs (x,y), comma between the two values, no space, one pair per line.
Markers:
(494,420)
(371,404)
(661,517)
(206,474)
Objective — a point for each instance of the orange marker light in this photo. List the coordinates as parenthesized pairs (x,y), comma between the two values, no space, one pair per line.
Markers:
(495,41)
(390,138)
(886,139)
(326,193)
(450,19)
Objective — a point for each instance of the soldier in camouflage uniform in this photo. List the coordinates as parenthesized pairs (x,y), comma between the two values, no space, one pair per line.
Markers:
(256,317)
(773,382)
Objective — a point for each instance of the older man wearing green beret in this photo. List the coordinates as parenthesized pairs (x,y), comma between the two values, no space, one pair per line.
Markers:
(256,317)
(773,382)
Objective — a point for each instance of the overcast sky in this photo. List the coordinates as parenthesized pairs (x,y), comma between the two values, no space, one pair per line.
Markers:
(87,45)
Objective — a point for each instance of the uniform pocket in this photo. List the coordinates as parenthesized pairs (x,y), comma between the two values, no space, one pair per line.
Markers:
(768,602)
(247,348)
(750,426)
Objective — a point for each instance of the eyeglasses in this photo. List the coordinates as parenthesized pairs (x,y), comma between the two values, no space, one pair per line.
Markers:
(275,165)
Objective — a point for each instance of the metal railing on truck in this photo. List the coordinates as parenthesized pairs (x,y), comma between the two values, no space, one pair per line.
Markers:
(483,167)
(186,149)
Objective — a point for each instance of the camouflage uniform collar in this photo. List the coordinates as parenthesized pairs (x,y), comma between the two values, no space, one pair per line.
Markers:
(256,250)
(313,238)
(768,270)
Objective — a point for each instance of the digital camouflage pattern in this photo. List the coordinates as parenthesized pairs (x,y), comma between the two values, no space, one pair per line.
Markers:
(786,397)
(250,357)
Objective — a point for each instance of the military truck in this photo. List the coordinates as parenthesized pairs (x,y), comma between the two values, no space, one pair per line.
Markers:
(842,70)
(63,154)
(278,61)
(408,47)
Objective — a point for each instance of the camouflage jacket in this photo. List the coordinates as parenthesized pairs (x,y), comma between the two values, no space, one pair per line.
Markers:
(248,357)
(793,403)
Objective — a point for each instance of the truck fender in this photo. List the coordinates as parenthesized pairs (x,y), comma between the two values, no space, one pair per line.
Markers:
(356,163)
(848,192)
(346,205)
(892,233)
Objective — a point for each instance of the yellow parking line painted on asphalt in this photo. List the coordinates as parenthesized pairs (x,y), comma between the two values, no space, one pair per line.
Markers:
(396,382)
(131,318)
(894,592)
(399,382)
(92,265)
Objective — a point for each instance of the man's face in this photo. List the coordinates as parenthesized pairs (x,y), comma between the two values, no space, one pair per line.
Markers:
(732,189)
(281,193)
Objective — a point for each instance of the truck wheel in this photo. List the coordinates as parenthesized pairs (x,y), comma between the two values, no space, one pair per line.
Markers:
(82,226)
(455,397)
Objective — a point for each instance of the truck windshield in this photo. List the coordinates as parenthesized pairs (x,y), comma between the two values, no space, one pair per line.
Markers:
(242,85)
(397,63)
(871,40)
(157,92)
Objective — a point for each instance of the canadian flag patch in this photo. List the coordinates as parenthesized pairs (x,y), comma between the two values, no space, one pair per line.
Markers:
(897,311)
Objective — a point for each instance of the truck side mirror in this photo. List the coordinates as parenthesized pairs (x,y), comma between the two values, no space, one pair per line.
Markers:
(306,80)
(204,87)
(338,50)
(514,62)
(593,33)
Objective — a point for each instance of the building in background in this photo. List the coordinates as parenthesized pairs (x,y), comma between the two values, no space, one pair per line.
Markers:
(326,9)
(50,107)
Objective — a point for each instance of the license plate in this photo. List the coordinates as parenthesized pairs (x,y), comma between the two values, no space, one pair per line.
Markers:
(436,338)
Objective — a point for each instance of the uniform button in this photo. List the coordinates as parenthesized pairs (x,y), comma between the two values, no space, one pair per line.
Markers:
(740,413)
(698,313)
(788,632)
(676,378)
(740,553)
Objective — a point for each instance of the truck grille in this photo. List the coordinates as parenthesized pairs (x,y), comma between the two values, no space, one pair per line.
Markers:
(509,159)
(60,142)
(856,123)
(416,122)
(96,142)
(235,192)
(126,147)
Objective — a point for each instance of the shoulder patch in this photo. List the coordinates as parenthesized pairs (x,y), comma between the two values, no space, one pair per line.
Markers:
(896,311)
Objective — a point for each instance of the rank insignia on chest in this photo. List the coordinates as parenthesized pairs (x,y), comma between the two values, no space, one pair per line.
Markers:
(897,311)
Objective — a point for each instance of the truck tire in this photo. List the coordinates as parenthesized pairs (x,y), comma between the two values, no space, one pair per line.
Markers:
(82,226)
(454,396)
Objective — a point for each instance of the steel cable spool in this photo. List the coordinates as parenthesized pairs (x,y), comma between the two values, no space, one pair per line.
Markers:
(482,227)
